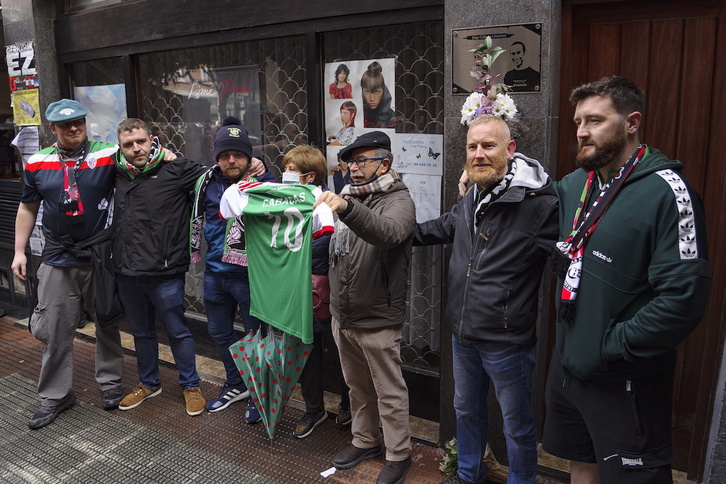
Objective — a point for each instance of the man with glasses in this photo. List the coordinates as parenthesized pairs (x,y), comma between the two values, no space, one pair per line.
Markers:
(369,256)
(74,179)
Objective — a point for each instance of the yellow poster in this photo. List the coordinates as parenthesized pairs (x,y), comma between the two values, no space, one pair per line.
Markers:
(26,107)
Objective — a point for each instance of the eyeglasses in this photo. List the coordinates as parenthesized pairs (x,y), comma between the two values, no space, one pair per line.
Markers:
(362,162)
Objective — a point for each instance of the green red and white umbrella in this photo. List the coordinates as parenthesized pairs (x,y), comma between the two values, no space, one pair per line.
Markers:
(270,367)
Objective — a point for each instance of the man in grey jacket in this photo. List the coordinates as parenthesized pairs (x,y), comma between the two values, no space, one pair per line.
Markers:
(502,231)
(369,256)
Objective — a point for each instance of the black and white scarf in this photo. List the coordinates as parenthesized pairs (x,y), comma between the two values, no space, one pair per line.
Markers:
(486,196)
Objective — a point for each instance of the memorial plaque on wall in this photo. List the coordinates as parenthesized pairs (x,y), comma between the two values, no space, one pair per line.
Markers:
(519,66)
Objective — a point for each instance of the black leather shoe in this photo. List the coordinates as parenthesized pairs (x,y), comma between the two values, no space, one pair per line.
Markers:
(46,414)
(111,398)
(352,455)
(394,472)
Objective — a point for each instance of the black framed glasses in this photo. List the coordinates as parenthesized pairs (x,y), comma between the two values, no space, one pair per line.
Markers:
(362,162)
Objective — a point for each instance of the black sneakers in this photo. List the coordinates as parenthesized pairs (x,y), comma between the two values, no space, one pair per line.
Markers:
(351,456)
(46,414)
(394,472)
(344,416)
(308,422)
(111,398)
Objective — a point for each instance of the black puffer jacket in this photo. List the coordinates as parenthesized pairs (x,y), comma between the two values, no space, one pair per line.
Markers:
(495,269)
(151,219)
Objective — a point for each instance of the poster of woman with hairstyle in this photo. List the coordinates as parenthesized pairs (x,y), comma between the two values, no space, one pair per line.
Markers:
(346,135)
(367,103)
(341,88)
(377,98)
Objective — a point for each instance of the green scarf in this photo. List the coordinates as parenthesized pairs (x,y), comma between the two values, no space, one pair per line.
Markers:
(156,157)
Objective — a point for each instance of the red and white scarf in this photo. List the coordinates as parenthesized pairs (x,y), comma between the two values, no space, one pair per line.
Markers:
(584,224)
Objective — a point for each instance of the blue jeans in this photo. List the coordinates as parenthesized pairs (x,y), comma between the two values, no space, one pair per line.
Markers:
(145,297)
(223,294)
(510,369)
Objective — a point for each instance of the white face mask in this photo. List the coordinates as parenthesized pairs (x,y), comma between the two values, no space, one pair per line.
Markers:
(290,177)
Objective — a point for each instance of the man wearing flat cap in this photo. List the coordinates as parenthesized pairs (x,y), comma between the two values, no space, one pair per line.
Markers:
(369,256)
(74,178)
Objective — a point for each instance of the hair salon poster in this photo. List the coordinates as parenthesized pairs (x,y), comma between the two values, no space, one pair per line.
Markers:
(360,97)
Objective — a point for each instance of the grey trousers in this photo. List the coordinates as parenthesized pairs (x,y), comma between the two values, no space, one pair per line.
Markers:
(371,362)
(62,292)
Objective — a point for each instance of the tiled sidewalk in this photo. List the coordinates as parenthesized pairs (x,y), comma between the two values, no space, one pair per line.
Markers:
(158,441)
(220,441)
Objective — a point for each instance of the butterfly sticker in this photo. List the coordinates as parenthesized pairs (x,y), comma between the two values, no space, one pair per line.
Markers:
(433,155)
(418,155)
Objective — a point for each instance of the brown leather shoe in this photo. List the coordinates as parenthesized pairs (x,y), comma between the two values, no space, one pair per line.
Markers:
(351,456)
(394,472)
(194,401)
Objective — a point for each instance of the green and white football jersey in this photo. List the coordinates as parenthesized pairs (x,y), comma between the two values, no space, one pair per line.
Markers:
(280,225)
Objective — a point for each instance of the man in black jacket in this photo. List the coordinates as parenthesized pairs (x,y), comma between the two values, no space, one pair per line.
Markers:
(151,257)
(502,231)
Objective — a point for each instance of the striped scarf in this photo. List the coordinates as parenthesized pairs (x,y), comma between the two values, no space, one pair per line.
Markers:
(339,244)
(485,197)
(569,253)
(234,245)
(156,156)
(70,201)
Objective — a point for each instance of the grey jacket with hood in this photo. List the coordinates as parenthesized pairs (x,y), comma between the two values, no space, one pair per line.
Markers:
(496,266)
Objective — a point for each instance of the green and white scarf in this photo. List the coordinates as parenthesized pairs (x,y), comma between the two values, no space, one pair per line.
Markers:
(156,156)
(234,246)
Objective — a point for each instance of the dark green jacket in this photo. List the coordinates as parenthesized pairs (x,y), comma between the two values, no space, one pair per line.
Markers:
(645,278)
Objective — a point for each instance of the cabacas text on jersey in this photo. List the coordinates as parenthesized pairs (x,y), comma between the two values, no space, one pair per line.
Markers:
(293,200)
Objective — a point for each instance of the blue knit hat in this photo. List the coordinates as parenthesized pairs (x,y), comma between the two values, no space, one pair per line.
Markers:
(64,110)
(232,136)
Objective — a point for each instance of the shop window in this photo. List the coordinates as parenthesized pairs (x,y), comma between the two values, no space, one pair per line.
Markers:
(187,93)
(76,5)
(99,86)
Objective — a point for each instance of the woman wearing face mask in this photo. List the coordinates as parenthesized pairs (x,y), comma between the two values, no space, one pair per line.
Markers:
(346,134)
(376,99)
(341,88)
(306,165)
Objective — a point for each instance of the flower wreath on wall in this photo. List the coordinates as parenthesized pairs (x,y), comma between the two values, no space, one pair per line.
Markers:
(490,97)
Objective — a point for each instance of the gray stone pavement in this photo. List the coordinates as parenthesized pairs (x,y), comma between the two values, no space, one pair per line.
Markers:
(158,442)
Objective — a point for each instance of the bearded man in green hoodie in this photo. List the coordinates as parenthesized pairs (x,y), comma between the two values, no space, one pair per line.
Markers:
(633,283)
